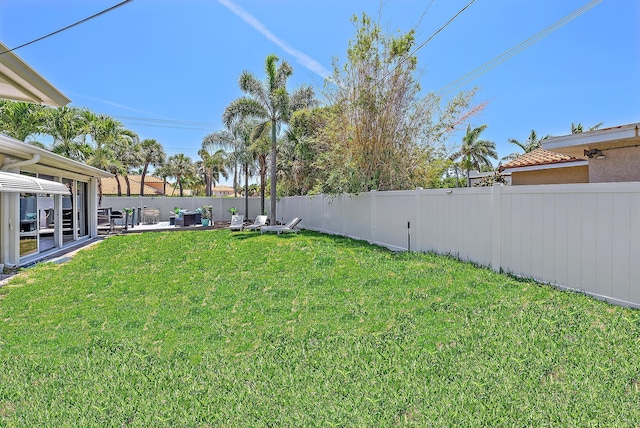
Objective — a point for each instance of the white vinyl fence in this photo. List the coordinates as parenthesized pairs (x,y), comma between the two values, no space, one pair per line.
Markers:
(166,205)
(579,236)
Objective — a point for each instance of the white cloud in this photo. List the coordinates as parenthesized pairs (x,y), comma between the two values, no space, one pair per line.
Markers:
(305,60)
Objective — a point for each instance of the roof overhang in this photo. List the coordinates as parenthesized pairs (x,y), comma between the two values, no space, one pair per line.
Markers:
(53,164)
(609,138)
(547,166)
(20,82)
(18,183)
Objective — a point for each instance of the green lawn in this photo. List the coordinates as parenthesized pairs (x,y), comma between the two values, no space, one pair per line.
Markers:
(208,329)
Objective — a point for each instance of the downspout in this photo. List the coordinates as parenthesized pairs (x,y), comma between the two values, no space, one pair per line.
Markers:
(17,165)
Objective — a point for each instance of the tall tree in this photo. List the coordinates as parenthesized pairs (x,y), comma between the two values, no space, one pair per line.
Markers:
(128,152)
(104,131)
(269,101)
(577,129)
(211,166)
(20,119)
(222,139)
(163,171)
(181,168)
(67,126)
(532,143)
(152,154)
(380,128)
(244,132)
(474,152)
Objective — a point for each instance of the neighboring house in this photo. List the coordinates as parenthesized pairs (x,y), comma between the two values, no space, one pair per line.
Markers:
(544,167)
(599,156)
(47,202)
(152,185)
(221,191)
(613,154)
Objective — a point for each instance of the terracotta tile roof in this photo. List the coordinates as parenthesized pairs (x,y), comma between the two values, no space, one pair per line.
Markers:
(110,186)
(538,157)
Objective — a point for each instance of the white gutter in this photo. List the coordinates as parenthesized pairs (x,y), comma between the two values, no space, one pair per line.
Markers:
(17,165)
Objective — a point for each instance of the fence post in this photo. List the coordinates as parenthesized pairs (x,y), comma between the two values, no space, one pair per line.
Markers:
(322,214)
(372,200)
(496,227)
(417,235)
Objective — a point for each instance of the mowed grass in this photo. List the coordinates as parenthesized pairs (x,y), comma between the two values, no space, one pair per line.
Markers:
(208,328)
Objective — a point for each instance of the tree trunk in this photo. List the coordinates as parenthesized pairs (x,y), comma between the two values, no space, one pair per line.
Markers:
(126,180)
(144,174)
(209,183)
(99,192)
(235,181)
(274,172)
(263,180)
(246,190)
(118,184)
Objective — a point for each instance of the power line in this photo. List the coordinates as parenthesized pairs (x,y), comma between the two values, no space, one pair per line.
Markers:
(173,121)
(166,123)
(68,26)
(489,65)
(412,53)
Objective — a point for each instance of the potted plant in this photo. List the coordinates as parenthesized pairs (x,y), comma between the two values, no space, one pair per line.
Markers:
(233,210)
(206,215)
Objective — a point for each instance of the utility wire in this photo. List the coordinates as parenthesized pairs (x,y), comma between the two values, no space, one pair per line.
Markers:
(412,53)
(489,65)
(172,121)
(68,26)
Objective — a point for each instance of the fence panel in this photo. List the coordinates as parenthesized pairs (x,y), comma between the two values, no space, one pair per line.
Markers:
(580,236)
(166,205)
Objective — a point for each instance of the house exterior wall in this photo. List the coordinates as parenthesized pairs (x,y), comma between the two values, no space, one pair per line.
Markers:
(621,164)
(574,174)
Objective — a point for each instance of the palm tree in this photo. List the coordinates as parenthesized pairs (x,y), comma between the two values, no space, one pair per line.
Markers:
(244,133)
(530,145)
(211,167)
(67,127)
(152,154)
(270,102)
(577,129)
(475,153)
(163,172)
(105,133)
(20,119)
(181,167)
(215,141)
(128,152)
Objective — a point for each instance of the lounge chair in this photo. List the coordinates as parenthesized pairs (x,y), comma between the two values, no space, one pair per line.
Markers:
(237,222)
(261,220)
(291,227)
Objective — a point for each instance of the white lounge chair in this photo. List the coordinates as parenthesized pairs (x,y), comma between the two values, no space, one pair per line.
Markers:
(261,220)
(237,222)
(291,227)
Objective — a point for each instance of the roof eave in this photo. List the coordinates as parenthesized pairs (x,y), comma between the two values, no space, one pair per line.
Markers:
(18,81)
(583,140)
(18,148)
(547,166)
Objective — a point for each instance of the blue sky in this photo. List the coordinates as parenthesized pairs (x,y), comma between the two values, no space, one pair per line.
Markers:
(174,65)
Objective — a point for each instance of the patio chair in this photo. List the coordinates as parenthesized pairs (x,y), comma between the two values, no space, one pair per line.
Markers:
(237,222)
(150,216)
(260,221)
(291,227)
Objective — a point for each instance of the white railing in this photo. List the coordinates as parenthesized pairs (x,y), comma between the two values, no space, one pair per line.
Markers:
(579,236)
